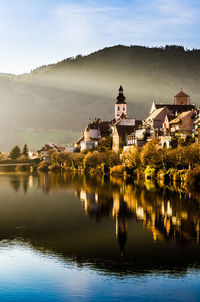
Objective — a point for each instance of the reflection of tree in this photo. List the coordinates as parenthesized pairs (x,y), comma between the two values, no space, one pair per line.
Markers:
(25,183)
(44,182)
(167,212)
(15,183)
(58,223)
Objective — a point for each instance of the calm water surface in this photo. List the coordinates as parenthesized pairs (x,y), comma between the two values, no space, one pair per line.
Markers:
(77,238)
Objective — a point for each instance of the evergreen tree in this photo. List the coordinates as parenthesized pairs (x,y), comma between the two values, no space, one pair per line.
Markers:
(15,152)
(25,151)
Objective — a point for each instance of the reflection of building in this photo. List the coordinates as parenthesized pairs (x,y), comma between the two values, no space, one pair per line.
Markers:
(91,203)
(165,219)
(168,215)
(89,200)
(120,213)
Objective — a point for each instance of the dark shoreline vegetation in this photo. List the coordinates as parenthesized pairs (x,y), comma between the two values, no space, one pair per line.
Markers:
(180,164)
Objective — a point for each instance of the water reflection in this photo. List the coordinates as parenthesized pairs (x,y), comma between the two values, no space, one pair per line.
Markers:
(166,212)
(121,227)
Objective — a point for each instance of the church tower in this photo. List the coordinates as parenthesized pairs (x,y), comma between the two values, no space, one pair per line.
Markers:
(120,105)
(182,98)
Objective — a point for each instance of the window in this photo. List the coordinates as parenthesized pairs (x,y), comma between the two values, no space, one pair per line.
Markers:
(118,108)
(123,108)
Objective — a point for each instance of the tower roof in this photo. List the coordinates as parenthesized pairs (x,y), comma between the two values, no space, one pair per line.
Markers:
(181,94)
(121,98)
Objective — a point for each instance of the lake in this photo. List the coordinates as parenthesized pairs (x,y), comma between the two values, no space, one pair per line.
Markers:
(71,237)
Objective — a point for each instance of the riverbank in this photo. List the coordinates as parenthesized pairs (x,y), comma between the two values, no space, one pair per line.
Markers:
(180,164)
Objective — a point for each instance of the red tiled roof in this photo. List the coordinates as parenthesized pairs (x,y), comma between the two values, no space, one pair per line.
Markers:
(181,94)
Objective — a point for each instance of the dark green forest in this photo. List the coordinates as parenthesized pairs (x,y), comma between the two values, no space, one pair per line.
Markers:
(53,103)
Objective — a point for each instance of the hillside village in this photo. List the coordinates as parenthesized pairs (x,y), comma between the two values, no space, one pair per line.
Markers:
(168,123)
(58,99)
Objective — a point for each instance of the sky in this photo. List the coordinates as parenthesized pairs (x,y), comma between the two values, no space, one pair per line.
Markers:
(40,32)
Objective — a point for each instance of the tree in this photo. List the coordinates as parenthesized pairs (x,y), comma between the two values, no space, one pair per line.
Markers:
(105,144)
(15,153)
(151,155)
(75,160)
(92,160)
(62,158)
(131,159)
(53,155)
(25,151)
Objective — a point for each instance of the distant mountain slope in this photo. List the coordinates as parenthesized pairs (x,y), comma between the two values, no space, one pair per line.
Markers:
(65,95)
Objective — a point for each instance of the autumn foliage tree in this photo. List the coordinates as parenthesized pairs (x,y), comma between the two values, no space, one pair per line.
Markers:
(152,155)
(131,159)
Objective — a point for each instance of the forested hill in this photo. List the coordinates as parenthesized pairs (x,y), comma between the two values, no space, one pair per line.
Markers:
(54,102)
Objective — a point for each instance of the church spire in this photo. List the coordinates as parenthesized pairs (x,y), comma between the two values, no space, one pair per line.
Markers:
(120,105)
(121,98)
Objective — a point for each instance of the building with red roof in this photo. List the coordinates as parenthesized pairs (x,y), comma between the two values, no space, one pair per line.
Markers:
(182,98)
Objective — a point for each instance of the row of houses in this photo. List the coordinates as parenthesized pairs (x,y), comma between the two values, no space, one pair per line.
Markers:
(165,122)
(179,120)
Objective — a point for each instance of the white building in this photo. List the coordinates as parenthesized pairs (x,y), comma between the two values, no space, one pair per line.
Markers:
(88,145)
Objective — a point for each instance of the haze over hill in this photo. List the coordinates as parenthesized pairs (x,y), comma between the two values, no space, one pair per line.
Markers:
(53,103)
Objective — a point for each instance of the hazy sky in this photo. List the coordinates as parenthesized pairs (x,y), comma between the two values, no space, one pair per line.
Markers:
(38,32)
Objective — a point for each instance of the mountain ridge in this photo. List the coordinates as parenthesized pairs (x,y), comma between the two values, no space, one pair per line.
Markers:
(65,95)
